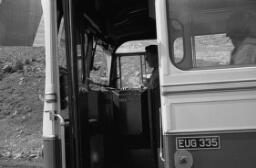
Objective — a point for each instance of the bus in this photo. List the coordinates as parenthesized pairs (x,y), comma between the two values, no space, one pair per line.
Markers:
(99,113)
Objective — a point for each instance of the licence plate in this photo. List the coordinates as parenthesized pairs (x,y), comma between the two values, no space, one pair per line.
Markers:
(198,143)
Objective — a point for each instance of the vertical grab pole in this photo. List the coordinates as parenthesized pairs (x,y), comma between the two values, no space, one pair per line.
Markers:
(52,96)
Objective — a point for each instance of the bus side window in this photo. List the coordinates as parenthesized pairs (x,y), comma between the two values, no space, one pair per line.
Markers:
(178,50)
(207,51)
(212,50)
(100,73)
(212,39)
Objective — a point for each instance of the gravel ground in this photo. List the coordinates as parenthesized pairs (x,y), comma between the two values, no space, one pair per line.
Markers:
(21,105)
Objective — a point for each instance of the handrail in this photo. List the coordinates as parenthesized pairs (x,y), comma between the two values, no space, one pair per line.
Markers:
(130,54)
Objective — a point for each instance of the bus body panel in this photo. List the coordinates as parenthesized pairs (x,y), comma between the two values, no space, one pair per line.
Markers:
(208,113)
(217,110)
(237,149)
(217,128)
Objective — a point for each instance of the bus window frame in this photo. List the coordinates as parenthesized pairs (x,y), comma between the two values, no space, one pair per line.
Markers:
(172,76)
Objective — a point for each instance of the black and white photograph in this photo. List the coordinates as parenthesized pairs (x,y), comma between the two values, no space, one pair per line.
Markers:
(127,83)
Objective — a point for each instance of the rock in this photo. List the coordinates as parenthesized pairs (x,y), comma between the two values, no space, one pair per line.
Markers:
(32,156)
(17,156)
(23,117)
(6,112)
(7,68)
(41,97)
(27,69)
(27,61)
(6,154)
(15,113)
(27,109)
(17,66)
(21,82)
(19,133)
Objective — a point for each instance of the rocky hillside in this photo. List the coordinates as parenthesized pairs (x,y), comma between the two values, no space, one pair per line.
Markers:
(21,103)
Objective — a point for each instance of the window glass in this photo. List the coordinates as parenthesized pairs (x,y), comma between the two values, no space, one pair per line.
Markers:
(135,46)
(132,68)
(212,50)
(131,71)
(217,35)
(99,75)
(178,50)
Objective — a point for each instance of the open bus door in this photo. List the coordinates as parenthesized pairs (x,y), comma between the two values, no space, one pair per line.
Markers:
(98,133)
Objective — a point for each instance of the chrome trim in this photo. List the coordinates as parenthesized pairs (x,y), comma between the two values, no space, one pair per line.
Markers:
(161,155)
(63,144)
(210,132)
(217,86)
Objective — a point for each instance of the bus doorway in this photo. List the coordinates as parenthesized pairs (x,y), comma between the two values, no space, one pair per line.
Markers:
(122,113)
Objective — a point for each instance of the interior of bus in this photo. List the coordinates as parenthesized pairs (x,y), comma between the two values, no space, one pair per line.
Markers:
(114,124)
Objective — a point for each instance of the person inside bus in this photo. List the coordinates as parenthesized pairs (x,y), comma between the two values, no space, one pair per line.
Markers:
(241,29)
(151,57)
(152,61)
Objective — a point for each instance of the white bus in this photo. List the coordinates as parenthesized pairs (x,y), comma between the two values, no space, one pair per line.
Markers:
(201,112)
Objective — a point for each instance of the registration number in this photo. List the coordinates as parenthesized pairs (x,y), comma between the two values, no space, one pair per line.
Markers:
(198,143)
